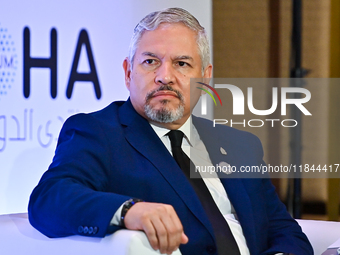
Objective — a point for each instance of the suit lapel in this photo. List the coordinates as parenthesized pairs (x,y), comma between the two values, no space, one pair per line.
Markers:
(234,187)
(142,137)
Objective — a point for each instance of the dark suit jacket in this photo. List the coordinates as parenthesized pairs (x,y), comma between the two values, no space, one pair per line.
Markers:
(105,158)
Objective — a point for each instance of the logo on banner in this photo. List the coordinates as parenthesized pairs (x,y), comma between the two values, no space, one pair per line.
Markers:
(51,63)
(8,61)
(18,126)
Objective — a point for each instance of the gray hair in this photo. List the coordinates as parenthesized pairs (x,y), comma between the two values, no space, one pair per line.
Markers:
(172,15)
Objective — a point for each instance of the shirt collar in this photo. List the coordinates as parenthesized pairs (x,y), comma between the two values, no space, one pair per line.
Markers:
(187,128)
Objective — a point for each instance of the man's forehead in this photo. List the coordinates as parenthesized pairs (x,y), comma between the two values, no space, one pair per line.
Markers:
(168,34)
(175,57)
(164,26)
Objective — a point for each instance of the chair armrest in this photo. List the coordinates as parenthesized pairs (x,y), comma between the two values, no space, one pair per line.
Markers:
(321,234)
(19,237)
(131,242)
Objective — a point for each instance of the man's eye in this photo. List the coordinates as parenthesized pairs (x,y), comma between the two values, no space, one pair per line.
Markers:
(150,61)
(181,63)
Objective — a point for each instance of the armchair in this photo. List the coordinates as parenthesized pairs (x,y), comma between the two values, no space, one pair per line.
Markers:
(17,236)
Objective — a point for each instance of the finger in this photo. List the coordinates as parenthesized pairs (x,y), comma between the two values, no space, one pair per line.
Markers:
(175,229)
(150,232)
(184,239)
(162,235)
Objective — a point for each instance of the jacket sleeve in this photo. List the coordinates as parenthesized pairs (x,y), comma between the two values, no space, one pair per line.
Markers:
(71,197)
(284,233)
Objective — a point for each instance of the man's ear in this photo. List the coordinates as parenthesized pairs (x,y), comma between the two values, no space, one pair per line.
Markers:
(207,76)
(127,71)
(208,72)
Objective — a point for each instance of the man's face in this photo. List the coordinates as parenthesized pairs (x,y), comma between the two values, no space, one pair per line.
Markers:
(159,79)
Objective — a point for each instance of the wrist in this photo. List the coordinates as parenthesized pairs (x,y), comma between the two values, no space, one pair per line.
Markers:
(126,207)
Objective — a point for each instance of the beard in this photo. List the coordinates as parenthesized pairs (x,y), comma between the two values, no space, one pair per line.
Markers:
(165,114)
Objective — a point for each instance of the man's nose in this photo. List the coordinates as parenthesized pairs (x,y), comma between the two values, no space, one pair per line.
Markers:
(165,74)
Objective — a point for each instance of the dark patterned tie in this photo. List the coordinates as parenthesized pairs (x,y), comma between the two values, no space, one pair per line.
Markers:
(225,241)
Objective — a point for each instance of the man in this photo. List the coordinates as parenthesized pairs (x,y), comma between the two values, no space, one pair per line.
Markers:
(104,159)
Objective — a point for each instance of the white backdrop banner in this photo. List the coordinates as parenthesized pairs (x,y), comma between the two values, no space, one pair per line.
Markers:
(58,58)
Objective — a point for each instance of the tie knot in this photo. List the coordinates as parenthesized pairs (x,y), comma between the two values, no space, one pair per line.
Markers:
(176,137)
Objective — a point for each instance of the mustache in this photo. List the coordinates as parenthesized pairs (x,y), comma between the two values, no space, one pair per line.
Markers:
(164,87)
